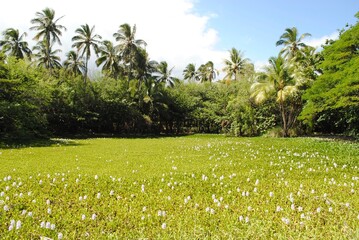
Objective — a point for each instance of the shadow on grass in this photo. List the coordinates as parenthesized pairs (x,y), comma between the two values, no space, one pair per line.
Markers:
(126,136)
(36,142)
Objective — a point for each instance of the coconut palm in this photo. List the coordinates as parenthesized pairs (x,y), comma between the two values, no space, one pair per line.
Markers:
(46,57)
(292,43)
(109,59)
(74,63)
(190,73)
(277,81)
(164,74)
(14,44)
(209,72)
(235,65)
(84,42)
(128,45)
(47,27)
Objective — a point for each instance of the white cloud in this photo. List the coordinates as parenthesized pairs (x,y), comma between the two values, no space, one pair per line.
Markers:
(173,30)
(318,42)
(260,65)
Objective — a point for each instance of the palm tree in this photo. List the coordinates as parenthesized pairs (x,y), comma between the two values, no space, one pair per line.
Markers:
(277,80)
(208,72)
(164,75)
(190,73)
(235,65)
(109,59)
(292,44)
(74,63)
(46,57)
(14,43)
(84,41)
(47,27)
(128,45)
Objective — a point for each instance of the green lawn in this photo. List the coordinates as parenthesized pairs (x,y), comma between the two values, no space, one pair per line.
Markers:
(194,187)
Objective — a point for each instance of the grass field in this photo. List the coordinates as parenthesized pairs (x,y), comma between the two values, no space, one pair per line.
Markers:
(194,187)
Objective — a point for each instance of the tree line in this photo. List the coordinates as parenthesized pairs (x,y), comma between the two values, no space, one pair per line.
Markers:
(300,91)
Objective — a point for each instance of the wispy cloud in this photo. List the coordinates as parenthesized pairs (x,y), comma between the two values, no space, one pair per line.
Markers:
(173,30)
(319,41)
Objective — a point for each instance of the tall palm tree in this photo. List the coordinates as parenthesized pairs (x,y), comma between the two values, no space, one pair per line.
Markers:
(277,81)
(14,43)
(209,72)
(164,74)
(109,59)
(47,27)
(292,43)
(46,57)
(235,65)
(190,73)
(84,41)
(128,45)
(74,63)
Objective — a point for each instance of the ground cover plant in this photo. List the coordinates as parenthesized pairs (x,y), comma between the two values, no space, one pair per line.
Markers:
(193,187)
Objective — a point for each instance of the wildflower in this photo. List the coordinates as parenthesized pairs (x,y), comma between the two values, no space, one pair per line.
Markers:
(52,226)
(98,195)
(60,235)
(29,214)
(49,211)
(18,224)
(48,202)
(246,219)
(96,177)
(300,209)
(83,217)
(285,220)
(330,209)
(163,226)
(241,218)
(112,193)
(93,217)
(271,194)
(6,208)
(278,209)
(142,188)
(48,225)
(42,224)
(318,210)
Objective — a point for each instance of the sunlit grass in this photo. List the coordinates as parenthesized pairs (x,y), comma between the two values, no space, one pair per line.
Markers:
(191,187)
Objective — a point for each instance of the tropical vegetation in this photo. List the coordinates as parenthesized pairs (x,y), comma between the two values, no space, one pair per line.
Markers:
(302,90)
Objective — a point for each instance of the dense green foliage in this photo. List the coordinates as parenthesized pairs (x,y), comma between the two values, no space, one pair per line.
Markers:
(194,187)
(41,96)
(333,100)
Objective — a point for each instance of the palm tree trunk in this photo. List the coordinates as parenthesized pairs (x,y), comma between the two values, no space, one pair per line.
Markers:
(86,68)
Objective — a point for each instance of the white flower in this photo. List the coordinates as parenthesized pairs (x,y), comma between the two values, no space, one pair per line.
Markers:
(164,225)
(11,227)
(300,209)
(285,220)
(49,210)
(318,210)
(6,208)
(80,198)
(144,209)
(83,217)
(257,182)
(93,217)
(249,208)
(271,194)
(142,188)
(60,235)
(96,177)
(48,225)
(347,204)
(29,214)
(18,224)
(112,193)
(278,209)
(330,209)
(52,227)
(247,219)
(42,224)
(241,218)
(48,202)
(98,195)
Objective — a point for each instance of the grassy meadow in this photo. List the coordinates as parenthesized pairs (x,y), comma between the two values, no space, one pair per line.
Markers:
(193,187)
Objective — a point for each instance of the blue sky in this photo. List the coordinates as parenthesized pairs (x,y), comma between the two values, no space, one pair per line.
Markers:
(254,26)
(192,31)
